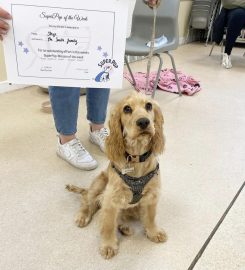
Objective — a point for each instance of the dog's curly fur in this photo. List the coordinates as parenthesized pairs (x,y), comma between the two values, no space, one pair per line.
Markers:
(108,191)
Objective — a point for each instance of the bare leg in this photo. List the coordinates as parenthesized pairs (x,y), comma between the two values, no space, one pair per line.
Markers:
(94,127)
(67,138)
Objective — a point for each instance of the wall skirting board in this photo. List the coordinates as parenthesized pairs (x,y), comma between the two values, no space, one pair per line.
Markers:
(6,87)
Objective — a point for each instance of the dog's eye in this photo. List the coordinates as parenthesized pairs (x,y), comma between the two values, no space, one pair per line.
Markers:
(127,109)
(148,106)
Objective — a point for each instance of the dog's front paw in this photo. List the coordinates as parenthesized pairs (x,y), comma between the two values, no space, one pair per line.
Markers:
(82,219)
(157,236)
(108,251)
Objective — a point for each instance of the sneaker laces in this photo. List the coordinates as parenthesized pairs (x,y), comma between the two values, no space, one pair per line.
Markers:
(78,148)
(103,133)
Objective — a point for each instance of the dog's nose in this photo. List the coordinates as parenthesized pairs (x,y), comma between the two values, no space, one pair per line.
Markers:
(143,123)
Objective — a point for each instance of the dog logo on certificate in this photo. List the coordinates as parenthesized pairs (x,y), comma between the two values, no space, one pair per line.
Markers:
(107,66)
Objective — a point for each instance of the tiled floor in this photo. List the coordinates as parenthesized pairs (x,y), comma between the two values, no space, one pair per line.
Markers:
(202,170)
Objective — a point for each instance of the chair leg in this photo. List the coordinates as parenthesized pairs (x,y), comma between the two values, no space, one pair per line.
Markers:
(130,71)
(175,72)
(212,48)
(222,50)
(209,32)
(189,29)
(158,74)
(212,22)
(222,46)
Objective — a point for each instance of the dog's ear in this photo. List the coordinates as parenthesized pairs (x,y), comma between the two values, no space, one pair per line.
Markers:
(158,141)
(115,148)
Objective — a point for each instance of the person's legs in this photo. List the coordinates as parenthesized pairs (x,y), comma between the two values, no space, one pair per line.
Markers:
(97,101)
(219,26)
(65,103)
(235,23)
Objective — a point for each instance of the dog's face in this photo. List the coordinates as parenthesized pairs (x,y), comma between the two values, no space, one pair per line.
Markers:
(137,119)
(107,68)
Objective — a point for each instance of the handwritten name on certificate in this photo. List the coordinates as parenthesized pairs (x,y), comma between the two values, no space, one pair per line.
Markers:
(66,43)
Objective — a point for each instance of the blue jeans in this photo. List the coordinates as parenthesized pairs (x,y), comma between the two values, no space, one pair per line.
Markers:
(65,103)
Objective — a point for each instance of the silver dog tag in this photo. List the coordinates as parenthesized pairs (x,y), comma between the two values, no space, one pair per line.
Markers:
(127,170)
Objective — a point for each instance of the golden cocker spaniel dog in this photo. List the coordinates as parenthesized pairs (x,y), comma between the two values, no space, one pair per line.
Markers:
(129,188)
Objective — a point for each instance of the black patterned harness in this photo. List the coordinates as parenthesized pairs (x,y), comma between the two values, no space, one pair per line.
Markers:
(137,184)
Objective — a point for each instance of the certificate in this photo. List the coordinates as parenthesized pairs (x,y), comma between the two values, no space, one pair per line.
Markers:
(66,43)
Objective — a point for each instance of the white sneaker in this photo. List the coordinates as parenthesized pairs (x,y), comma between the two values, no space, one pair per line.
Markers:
(226,61)
(98,137)
(74,153)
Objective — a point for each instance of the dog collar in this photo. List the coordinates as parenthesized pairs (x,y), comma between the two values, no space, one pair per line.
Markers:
(137,184)
(135,158)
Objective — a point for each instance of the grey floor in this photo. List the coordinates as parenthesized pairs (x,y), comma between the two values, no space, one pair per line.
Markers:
(202,170)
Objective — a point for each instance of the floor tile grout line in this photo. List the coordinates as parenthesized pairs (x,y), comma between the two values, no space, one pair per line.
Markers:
(201,251)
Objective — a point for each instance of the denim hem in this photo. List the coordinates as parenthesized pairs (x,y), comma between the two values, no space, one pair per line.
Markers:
(66,133)
(96,122)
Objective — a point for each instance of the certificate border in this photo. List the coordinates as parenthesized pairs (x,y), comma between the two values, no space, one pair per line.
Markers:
(113,27)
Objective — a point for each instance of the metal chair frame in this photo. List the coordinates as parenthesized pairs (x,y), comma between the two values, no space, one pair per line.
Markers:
(157,51)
